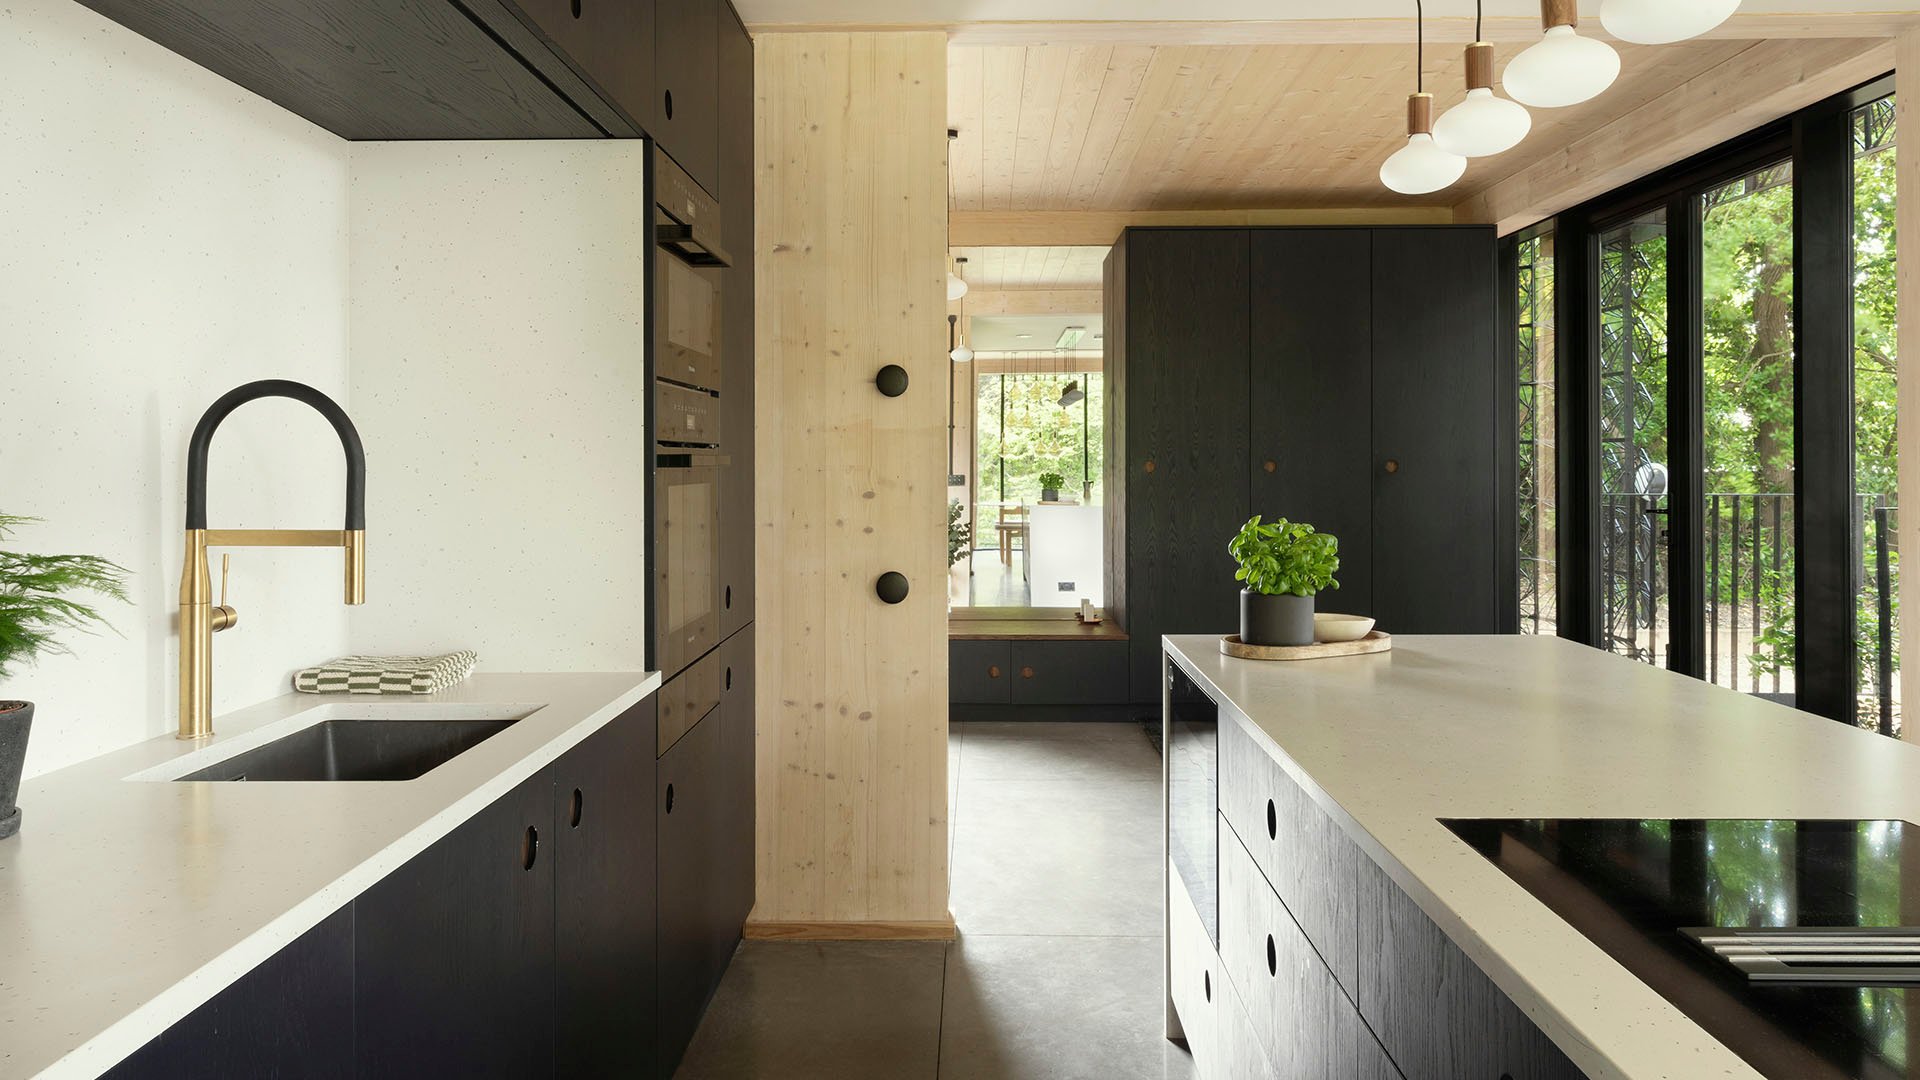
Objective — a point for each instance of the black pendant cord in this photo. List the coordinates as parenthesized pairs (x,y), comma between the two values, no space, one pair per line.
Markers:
(1479,16)
(1419,48)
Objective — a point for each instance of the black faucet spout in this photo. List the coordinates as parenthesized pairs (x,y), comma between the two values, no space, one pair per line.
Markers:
(286,388)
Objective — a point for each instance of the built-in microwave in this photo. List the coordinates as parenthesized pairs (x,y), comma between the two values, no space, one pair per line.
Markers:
(689,279)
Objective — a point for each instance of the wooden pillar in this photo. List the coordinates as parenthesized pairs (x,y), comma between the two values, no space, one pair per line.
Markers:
(850,134)
(1907,59)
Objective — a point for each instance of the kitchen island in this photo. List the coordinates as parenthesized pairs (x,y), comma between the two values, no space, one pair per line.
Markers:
(1388,937)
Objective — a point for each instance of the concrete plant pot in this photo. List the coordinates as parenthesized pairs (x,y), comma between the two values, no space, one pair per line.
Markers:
(16,719)
(1275,620)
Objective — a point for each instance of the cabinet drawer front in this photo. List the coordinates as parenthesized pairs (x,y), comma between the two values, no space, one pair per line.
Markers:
(1307,858)
(688,697)
(1241,1055)
(1374,1064)
(1069,672)
(979,672)
(1436,1013)
(1301,1018)
(1193,976)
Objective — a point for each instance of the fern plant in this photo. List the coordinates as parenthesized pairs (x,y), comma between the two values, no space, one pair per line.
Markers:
(43,595)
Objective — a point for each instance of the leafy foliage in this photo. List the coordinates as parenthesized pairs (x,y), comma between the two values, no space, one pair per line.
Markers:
(36,597)
(959,533)
(1052,481)
(1284,558)
(1038,435)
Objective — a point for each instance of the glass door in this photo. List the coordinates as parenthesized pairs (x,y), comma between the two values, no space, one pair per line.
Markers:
(1635,448)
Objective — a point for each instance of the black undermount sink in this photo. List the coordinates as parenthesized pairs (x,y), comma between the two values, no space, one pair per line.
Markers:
(357,750)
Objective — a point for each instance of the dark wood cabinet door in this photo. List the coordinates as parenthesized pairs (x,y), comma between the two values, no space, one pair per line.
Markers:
(1434,431)
(291,1017)
(1312,393)
(454,952)
(686,105)
(1185,435)
(737,331)
(1437,1014)
(690,820)
(735,853)
(607,42)
(604,896)
(1070,673)
(979,672)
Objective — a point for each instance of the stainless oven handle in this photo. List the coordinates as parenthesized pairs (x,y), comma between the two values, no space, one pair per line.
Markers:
(688,459)
(680,241)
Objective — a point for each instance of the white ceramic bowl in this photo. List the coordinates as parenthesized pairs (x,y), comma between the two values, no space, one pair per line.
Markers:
(1329,627)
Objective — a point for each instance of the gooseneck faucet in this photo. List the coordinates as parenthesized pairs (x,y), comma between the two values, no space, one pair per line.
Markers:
(199,618)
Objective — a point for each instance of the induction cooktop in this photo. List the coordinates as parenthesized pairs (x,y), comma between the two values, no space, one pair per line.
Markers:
(1781,938)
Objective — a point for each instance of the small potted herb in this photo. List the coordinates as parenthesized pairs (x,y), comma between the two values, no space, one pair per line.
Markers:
(1283,565)
(36,602)
(1050,485)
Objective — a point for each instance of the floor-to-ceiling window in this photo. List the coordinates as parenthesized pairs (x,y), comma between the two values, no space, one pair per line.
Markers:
(1875,382)
(1724,405)
(1536,465)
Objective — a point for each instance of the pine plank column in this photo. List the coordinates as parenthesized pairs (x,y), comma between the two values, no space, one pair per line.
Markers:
(852,774)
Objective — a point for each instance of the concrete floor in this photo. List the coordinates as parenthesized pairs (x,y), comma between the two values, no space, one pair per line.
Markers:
(1057,871)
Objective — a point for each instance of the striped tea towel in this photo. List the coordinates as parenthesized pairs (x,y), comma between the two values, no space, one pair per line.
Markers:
(386,674)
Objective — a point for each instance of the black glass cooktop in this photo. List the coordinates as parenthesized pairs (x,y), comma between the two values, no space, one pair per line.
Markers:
(1635,887)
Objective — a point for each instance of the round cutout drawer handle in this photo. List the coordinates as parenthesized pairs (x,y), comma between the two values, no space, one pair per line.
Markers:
(1273,822)
(1150,466)
(1026,673)
(1271,466)
(1273,958)
(1393,465)
(578,805)
(993,671)
(530,848)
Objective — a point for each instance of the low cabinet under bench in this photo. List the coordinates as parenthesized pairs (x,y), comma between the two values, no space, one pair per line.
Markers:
(1312,962)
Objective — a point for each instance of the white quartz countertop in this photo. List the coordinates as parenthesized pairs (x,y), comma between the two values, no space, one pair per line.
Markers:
(127,903)
(1529,727)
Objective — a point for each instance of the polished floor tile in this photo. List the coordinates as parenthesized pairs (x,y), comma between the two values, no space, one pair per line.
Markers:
(1056,1008)
(1058,857)
(1058,751)
(823,1012)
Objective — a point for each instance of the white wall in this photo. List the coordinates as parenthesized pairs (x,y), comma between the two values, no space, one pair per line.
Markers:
(497,339)
(164,237)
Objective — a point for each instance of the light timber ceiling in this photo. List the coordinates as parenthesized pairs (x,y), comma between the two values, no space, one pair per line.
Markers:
(1124,127)
(992,269)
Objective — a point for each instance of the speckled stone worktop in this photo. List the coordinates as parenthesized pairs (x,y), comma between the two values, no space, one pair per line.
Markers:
(1529,727)
(128,900)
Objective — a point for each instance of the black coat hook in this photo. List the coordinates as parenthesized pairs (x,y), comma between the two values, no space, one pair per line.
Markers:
(892,586)
(892,380)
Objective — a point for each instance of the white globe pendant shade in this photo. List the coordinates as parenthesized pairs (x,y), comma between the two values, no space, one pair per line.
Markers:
(1421,167)
(1482,125)
(1661,22)
(956,286)
(961,354)
(1562,69)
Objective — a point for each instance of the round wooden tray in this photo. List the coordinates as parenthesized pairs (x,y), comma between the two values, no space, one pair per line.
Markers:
(1376,642)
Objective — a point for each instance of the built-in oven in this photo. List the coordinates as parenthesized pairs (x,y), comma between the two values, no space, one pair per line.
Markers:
(689,452)
(686,558)
(689,279)
(1191,737)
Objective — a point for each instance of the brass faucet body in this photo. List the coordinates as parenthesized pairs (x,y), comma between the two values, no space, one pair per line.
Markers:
(201,618)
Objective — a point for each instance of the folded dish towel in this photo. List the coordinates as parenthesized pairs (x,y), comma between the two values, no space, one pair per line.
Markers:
(386,674)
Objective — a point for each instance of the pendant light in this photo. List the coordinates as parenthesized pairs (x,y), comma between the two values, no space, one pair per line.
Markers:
(960,354)
(1662,22)
(1483,125)
(1421,167)
(1072,395)
(1563,68)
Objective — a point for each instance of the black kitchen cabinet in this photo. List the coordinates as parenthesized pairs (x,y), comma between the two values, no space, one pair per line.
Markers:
(980,672)
(604,885)
(1069,672)
(1339,376)
(609,43)
(735,899)
(391,69)
(1177,423)
(737,533)
(1436,1013)
(1313,393)
(291,1017)
(454,952)
(691,820)
(686,85)
(1434,431)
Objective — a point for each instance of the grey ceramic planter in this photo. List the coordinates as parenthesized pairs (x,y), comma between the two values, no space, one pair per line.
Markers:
(14,725)
(1275,620)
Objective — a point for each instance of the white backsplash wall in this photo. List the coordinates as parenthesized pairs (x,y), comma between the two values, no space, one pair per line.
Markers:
(497,340)
(164,237)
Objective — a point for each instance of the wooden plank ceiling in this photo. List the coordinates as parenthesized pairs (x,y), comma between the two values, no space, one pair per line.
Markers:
(995,269)
(1142,127)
